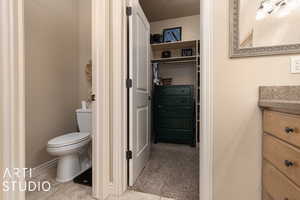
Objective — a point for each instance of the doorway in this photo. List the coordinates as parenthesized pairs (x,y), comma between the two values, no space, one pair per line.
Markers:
(163,101)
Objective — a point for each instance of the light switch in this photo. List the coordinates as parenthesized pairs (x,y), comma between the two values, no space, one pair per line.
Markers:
(295,64)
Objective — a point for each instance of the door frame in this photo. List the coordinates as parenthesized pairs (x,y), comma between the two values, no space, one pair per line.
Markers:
(12,98)
(206,99)
(109,52)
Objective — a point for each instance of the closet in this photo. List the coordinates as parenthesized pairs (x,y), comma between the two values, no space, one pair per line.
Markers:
(176,91)
(168,160)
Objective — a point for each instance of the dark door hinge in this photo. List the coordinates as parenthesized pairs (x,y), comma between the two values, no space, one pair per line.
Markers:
(128,155)
(128,11)
(129,83)
(93,97)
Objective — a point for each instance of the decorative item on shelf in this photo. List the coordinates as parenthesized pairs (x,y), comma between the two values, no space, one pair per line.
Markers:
(156,38)
(172,34)
(187,52)
(88,71)
(166,54)
(166,81)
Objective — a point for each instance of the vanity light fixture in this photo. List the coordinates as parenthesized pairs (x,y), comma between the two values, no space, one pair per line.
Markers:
(281,7)
(288,7)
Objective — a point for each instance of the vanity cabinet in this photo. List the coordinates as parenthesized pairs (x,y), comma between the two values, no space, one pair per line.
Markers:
(281,156)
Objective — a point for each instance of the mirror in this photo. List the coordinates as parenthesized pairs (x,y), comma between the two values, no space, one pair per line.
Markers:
(264,27)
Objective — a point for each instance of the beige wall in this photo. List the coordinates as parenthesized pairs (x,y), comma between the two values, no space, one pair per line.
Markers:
(85,46)
(190,26)
(237,119)
(55,81)
(181,73)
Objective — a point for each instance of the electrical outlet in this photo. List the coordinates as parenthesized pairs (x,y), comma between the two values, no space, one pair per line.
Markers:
(295,64)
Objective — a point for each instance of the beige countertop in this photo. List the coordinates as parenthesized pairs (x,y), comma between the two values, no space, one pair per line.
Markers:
(280,98)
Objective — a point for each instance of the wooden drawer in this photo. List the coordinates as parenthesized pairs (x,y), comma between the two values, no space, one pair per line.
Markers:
(283,156)
(175,90)
(284,126)
(175,101)
(266,196)
(277,185)
(176,112)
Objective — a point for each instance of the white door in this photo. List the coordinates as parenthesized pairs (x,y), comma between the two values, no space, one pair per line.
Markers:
(139,104)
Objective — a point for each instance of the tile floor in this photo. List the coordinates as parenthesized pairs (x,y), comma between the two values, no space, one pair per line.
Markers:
(72,191)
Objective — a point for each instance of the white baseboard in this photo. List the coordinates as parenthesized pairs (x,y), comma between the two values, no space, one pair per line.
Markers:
(111,189)
(41,169)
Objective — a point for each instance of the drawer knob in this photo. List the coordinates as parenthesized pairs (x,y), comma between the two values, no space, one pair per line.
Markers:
(289,130)
(289,163)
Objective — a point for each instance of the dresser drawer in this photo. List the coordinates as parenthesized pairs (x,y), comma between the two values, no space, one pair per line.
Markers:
(284,126)
(175,90)
(175,101)
(175,111)
(173,123)
(277,185)
(283,156)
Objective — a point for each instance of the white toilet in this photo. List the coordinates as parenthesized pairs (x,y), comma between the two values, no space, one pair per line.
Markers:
(72,148)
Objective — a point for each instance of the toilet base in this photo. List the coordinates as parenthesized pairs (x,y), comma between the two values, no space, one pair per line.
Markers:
(69,167)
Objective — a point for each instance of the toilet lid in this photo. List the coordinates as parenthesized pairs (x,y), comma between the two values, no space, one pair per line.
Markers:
(68,139)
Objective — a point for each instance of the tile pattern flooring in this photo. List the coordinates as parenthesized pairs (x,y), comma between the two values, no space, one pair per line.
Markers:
(72,191)
(173,171)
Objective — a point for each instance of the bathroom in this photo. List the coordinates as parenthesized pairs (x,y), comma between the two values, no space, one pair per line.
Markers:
(58,86)
(58,50)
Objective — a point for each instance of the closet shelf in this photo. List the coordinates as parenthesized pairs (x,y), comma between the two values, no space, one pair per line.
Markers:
(174,45)
(175,59)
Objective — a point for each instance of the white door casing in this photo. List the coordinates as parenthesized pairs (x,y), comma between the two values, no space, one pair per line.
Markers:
(12,95)
(139,104)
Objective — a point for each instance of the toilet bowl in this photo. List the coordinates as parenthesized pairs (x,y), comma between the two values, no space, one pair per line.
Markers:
(72,149)
(71,152)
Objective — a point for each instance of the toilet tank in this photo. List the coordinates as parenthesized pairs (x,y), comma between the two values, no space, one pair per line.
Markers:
(84,120)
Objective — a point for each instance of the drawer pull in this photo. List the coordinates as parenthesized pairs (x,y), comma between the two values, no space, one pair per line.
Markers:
(289,163)
(289,130)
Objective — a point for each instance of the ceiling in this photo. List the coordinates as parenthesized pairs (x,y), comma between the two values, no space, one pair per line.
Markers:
(156,10)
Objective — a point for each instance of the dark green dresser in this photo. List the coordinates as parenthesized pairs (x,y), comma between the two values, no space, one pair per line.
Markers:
(174,114)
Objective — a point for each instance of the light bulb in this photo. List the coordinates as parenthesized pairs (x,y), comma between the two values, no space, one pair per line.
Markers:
(268,6)
(260,14)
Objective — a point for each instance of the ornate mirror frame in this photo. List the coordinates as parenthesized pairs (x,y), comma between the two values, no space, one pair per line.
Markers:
(234,47)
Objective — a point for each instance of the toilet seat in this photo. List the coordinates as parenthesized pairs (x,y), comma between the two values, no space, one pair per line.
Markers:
(68,139)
